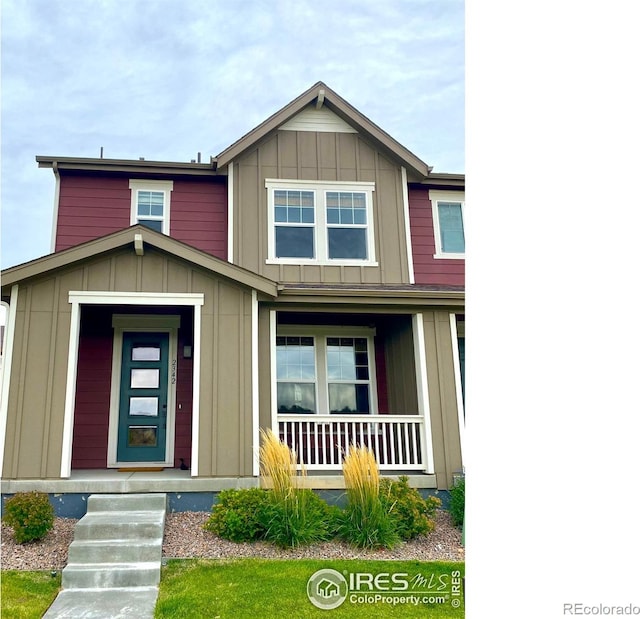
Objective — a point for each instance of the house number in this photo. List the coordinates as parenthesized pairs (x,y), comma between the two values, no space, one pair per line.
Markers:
(174,364)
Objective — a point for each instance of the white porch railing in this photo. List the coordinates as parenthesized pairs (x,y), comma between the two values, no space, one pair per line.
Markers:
(322,441)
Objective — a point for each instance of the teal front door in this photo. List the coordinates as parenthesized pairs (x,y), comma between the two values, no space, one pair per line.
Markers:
(142,418)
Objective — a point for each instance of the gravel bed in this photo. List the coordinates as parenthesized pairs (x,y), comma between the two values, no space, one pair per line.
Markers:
(185,538)
(49,553)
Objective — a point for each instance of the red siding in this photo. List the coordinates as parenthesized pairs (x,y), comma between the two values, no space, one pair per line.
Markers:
(184,404)
(427,269)
(91,422)
(199,215)
(91,207)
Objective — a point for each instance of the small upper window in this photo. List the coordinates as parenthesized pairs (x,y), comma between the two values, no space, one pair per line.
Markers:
(320,222)
(448,223)
(150,203)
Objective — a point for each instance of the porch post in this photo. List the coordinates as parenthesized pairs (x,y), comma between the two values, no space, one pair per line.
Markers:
(7,350)
(423,391)
(255,394)
(195,408)
(274,385)
(70,393)
(458,378)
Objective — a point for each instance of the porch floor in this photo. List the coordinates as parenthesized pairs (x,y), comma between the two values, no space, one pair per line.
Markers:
(171,480)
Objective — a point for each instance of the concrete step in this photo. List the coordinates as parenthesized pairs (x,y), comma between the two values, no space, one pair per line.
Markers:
(126,502)
(115,550)
(118,603)
(132,525)
(110,575)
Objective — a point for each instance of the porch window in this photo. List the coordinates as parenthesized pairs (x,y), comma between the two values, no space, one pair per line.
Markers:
(323,373)
(150,204)
(296,372)
(348,375)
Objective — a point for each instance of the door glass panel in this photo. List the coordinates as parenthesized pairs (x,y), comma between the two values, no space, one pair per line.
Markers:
(145,353)
(143,436)
(145,379)
(143,406)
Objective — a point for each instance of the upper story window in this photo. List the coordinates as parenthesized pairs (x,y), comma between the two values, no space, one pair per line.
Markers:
(448,223)
(150,203)
(320,222)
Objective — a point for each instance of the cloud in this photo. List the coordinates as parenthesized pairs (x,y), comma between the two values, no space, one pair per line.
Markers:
(166,79)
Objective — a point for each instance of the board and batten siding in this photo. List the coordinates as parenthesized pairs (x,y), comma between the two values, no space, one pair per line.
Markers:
(33,446)
(93,206)
(319,156)
(427,269)
(445,431)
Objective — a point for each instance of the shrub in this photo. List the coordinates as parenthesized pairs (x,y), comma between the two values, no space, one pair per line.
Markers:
(366,521)
(238,515)
(412,515)
(30,515)
(456,503)
(294,516)
(302,518)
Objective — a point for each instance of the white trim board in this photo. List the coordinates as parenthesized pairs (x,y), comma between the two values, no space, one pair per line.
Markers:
(7,358)
(84,297)
(423,389)
(458,380)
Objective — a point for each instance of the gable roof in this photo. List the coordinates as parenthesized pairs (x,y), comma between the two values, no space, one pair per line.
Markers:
(136,237)
(321,94)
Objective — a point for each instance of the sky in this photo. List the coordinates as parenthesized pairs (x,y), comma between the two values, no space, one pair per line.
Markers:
(167,79)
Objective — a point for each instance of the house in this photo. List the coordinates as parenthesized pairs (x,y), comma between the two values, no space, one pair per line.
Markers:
(309,279)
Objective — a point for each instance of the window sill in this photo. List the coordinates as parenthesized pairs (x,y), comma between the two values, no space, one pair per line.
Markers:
(333,263)
(449,256)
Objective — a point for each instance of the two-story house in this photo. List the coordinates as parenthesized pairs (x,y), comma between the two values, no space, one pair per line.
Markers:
(309,279)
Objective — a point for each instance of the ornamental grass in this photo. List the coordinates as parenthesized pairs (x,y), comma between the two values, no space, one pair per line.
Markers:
(366,522)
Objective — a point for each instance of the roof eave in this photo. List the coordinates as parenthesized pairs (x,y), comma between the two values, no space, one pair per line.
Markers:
(133,166)
(125,237)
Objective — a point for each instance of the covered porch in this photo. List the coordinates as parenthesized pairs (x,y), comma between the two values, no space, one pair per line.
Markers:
(388,377)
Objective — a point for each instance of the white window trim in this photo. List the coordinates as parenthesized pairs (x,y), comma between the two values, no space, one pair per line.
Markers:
(166,187)
(444,196)
(320,335)
(320,237)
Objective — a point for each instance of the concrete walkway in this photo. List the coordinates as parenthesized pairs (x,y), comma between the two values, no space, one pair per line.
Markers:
(114,562)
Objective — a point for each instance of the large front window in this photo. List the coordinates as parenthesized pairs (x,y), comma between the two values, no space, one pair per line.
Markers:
(324,373)
(326,222)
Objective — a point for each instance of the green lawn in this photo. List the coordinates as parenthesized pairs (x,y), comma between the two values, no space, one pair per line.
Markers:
(261,589)
(27,595)
(256,588)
